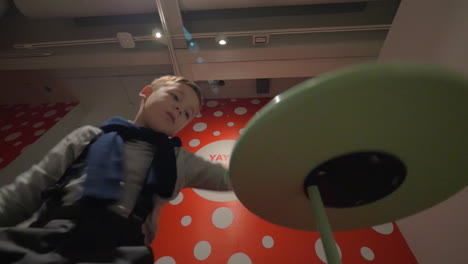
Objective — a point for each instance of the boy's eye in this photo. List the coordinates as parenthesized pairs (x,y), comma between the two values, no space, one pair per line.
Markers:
(175,97)
(187,115)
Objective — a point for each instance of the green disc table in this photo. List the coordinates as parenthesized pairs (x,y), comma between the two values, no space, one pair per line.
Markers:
(355,148)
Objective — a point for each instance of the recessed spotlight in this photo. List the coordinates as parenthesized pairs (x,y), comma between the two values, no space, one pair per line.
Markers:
(157,33)
(221,39)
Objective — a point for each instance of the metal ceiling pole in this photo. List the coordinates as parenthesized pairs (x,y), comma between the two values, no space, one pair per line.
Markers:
(167,34)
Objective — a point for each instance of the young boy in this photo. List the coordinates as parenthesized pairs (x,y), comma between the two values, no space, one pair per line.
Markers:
(99,192)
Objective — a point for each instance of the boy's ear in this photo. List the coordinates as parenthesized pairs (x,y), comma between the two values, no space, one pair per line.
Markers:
(145,92)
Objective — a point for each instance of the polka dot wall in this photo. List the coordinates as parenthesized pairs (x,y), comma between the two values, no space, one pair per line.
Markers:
(21,125)
(214,228)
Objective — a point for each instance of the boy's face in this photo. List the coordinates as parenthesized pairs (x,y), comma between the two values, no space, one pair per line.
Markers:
(170,108)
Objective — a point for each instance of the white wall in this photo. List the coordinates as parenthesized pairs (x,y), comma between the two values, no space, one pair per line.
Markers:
(430,31)
(434,31)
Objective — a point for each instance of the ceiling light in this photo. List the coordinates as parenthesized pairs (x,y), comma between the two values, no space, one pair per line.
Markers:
(157,33)
(221,39)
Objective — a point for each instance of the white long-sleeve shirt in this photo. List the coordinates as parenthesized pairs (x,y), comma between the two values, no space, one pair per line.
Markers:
(22,198)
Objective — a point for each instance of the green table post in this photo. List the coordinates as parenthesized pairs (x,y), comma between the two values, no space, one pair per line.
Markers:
(324,228)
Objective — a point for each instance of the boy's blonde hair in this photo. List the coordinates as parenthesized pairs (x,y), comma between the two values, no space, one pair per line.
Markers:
(171,79)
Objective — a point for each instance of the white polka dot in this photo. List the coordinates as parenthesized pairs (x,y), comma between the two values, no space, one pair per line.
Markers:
(178,199)
(230,124)
(199,127)
(222,217)
(367,253)
(216,196)
(385,229)
(216,133)
(218,113)
(34,113)
(24,123)
(202,250)
(51,104)
(212,103)
(39,132)
(234,100)
(194,142)
(240,110)
(17,143)
(186,220)
(6,127)
(50,113)
(13,136)
(268,242)
(239,258)
(19,114)
(38,124)
(165,260)
(241,130)
(198,116)
(255,101)
(69,108)
(321,252)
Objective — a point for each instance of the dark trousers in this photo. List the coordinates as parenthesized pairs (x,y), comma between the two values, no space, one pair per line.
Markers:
(75,234)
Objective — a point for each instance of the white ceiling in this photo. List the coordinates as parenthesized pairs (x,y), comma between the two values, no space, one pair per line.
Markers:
(215,4)
(84,8)
(287,59)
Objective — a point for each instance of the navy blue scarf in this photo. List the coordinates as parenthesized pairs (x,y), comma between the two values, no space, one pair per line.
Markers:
(106,161)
